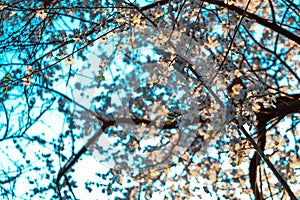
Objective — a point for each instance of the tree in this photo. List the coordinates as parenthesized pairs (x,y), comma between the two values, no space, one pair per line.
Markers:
(175,99)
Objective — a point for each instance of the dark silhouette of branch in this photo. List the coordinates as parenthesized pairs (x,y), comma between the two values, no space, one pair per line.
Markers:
(277,56)
(258,19)
(240,11)
(261,126)
(285,105)
(270,165)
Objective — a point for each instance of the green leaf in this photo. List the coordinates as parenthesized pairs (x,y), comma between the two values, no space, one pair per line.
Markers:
(170,118)
(5,89)
(8,77)
(101,76)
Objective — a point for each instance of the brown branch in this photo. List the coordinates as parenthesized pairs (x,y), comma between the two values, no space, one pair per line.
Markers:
(92,140)
(269,163)
(256,160)
(258,19)
(285,105)
(240,11)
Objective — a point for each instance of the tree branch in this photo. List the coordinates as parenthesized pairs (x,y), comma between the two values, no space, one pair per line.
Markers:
(258,19)
(240,11)
(285,105)
(269,163)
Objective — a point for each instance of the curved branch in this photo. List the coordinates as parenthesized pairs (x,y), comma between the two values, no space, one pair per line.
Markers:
(258,19)
(269,163)
(285,105)
(240,11)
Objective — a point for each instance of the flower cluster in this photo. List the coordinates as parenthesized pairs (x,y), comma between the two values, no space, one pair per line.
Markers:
(27,80)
